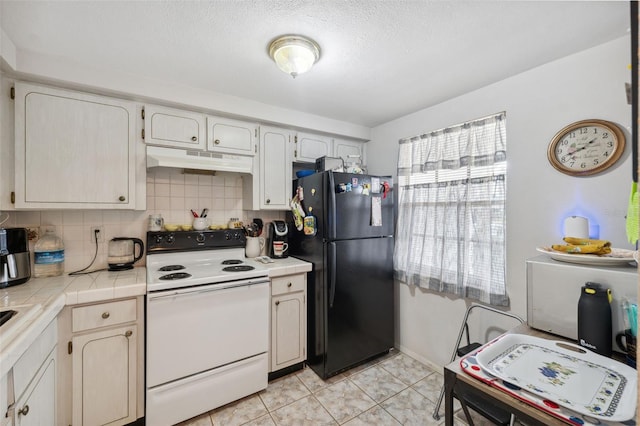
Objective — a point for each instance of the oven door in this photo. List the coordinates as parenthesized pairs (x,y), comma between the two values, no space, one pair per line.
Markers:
(197,329)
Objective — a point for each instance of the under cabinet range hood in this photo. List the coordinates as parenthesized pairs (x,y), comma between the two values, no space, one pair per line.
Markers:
(197,160)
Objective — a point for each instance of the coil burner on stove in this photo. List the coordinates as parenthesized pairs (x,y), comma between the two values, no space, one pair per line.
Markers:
(232,262)
(238,268)
(175,276)
(169,268)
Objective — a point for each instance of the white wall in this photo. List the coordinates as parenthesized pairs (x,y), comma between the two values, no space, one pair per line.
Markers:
(538,103)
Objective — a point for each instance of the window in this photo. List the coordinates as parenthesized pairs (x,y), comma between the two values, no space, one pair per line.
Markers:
(451,210)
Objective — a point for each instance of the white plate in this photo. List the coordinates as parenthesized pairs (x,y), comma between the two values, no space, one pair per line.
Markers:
(616,257)
(566,374)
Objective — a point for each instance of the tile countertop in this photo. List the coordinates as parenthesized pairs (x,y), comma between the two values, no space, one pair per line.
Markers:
(42,299)
(286,266)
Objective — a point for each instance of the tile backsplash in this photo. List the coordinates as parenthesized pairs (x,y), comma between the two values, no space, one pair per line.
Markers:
(170,193)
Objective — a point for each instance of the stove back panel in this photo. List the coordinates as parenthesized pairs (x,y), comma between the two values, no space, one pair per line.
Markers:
(166,242)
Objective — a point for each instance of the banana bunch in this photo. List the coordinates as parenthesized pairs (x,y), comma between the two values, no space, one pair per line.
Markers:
(583,246)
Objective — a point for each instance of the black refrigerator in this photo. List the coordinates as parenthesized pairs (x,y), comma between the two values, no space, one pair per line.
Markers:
(348,237)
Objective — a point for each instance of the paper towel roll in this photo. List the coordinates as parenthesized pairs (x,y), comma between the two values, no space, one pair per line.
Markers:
(576,226)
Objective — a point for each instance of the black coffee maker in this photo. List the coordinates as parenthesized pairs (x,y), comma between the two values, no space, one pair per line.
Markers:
(278,239)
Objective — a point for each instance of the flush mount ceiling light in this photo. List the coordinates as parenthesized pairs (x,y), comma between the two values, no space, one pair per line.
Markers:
(294,54)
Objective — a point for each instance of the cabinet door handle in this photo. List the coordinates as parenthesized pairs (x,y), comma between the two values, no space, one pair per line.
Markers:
(194,138)
(217,141)
(268,200)
(105,315)
(23,411)
(121,198)
(277,302)
(129,333)
(289,285)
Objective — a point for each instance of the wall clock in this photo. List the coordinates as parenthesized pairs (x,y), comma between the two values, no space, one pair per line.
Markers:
(586,147)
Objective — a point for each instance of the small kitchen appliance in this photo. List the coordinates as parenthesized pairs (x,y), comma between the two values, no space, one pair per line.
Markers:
(594,318)
(278,239)
(15,263)
(122,253)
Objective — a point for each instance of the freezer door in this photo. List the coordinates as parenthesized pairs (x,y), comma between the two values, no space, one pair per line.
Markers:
(360,302)
(349,213)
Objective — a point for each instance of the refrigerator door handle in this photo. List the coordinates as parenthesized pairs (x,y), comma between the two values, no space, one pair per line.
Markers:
(332,282)
(331,215)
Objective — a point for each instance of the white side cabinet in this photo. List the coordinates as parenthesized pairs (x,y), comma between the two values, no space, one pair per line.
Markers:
(288,321)
(73,150)
(174,128)
(230,136)
(104,363)
(308,147)
(34,381)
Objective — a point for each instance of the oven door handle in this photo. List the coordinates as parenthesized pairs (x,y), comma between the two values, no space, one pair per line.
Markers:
(188,292)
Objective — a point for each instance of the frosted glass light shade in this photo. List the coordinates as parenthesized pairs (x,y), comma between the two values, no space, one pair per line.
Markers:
(294,54)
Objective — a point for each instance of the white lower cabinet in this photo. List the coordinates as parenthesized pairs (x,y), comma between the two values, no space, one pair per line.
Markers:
(103,368)
(38,404)
(34,382)
(288,321)
(104,380)
(6,399)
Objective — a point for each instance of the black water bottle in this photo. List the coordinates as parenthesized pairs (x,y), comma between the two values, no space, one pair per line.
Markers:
(594,319)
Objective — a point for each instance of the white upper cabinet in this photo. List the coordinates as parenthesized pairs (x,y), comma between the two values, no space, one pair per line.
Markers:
(308,147)
(275,167)
(173,127)
(269,185)
(344,149)
(73,150)
(231,136)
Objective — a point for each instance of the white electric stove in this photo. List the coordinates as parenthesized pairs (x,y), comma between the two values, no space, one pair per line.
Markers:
(207,323)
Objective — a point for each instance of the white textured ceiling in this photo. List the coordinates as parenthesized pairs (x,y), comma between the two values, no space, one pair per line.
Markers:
(380,59)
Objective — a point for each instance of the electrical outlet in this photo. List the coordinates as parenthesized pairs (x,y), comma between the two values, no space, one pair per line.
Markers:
(100,232)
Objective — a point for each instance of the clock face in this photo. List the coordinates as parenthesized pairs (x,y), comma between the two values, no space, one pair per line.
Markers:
(586,147)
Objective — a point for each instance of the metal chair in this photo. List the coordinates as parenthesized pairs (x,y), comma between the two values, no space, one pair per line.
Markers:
(495,414)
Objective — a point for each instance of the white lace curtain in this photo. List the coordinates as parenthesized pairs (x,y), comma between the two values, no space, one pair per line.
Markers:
(450,233)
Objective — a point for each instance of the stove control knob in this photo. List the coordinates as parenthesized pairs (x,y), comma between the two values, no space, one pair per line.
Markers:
(227,236)
(158,239)
(237,235)
(200,238)
(171,238)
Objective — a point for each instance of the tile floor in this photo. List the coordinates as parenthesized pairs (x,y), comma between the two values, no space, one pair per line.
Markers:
(392,390)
